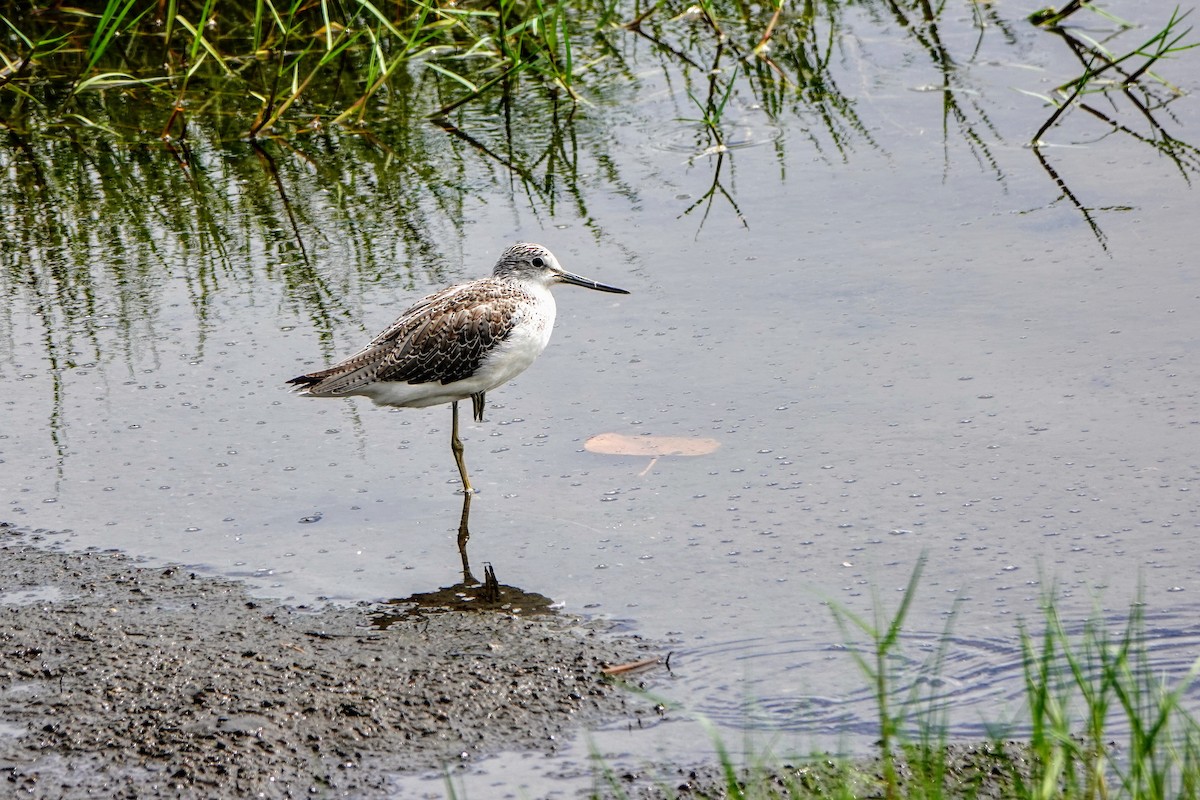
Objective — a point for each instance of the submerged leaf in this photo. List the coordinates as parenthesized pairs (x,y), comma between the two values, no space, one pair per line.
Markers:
(617,444)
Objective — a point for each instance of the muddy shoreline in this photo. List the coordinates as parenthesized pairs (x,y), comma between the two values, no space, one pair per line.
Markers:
(119,678)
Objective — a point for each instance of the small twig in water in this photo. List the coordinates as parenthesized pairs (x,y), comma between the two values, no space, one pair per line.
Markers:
(621,669)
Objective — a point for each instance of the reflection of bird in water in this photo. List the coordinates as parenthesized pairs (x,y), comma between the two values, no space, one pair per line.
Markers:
(457,343)
(468,595)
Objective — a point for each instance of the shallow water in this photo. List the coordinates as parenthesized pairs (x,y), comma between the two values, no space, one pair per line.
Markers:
(904,340)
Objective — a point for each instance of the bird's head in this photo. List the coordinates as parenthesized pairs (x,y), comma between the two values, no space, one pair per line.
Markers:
(532,262)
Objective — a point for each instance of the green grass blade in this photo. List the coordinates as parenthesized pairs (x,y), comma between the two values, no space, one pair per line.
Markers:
(454,76)
(199,41)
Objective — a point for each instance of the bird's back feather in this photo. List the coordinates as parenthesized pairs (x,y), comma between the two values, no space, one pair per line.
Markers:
(444,337)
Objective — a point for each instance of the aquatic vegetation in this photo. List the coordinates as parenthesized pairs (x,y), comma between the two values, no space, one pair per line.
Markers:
(266,67)
(254,65)
(185,74)
(263,68)
(1099,722)
(1116,78)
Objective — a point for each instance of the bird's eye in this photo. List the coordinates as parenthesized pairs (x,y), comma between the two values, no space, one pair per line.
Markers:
(538,262)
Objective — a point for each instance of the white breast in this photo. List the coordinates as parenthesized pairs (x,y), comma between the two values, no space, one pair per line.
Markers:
(526,342)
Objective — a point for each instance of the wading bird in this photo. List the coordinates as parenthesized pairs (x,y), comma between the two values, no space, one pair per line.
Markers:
(460,342)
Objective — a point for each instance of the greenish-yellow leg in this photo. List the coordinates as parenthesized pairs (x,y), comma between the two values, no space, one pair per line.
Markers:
(457,446)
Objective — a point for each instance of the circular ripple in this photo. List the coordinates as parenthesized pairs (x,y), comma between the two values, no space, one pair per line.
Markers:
(977,691)
(694,139)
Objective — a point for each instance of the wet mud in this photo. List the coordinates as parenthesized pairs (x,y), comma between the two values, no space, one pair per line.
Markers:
(123,679)
(983,771)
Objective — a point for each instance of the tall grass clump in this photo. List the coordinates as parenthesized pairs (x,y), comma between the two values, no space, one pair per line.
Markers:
(1104,722)
(912,716)
(1100,721)
(264,62)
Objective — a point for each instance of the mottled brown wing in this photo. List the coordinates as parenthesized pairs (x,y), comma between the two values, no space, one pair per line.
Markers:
(443,337)
(450,344)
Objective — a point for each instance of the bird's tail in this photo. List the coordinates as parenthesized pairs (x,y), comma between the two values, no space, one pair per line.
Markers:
(303,383)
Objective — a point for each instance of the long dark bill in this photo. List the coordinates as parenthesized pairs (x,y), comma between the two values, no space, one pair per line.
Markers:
(587,283)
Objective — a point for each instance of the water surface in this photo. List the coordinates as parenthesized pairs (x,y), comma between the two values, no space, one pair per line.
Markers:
(904,334)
